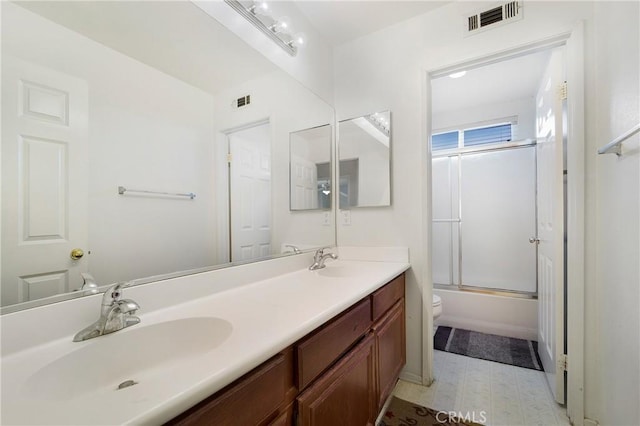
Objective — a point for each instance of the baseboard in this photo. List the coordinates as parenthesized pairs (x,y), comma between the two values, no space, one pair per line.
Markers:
(590,422)
(489,327)
(410,377)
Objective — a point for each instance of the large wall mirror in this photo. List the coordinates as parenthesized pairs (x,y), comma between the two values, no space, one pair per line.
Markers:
(310,168)
(155,153)
(365,161)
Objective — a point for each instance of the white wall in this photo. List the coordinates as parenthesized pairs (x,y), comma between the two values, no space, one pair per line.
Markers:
(272,97)
(146,131)
(616,244)
(387,70)
(312,66)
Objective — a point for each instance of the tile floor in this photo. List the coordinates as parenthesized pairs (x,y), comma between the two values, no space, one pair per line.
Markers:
(487,392)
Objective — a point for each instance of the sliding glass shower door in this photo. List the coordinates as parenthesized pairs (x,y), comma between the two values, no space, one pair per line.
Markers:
(484,212)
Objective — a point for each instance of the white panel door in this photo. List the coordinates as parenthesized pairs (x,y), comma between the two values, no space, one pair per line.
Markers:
(550,227)
(304,176)
(250,193)
(44,180)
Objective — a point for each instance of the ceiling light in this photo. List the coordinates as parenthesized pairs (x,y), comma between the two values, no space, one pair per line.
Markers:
(298,40)
(457,74)
(279,30)
(260,8)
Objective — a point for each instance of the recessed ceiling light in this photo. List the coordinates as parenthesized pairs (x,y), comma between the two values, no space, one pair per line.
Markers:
(457,74)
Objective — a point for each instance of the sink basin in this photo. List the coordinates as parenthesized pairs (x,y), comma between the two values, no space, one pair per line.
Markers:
(339,271)
(133,354)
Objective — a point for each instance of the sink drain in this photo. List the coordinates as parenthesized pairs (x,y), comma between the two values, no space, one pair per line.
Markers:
(126,384)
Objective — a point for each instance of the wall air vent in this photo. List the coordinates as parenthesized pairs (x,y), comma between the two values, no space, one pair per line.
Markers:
(493,17)
(242,101)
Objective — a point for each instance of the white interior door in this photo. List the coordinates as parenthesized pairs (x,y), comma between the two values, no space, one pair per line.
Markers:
(304,176)
(250,193)
(44,180)
(550,227)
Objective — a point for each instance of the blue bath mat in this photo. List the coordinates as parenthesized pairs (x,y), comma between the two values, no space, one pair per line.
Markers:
(506,350)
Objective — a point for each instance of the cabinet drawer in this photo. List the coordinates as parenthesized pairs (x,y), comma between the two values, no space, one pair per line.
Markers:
(318,351)
(384,298)
(252,400)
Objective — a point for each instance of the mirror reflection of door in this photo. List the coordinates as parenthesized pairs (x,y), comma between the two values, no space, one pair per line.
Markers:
(310,169)
(250,192)
(44,180)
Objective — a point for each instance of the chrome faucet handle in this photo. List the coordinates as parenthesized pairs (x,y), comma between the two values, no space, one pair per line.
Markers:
(321,250)
(320,257)
(112,294)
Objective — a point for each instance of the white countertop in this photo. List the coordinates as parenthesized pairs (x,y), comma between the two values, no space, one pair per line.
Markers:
(266,316)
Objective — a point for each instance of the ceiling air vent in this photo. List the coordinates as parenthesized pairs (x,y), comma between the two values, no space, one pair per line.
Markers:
(242,101)
(494,17)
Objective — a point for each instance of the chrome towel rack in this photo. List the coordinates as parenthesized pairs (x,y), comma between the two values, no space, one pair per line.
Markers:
(122,190)
(614,147)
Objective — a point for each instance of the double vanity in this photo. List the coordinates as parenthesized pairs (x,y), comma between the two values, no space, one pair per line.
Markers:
(257,343)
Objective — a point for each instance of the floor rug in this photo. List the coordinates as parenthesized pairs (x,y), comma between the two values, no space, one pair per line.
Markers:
(507,350)
(405,413)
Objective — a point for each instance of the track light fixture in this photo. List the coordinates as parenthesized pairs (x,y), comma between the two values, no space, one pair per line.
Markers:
(280,30)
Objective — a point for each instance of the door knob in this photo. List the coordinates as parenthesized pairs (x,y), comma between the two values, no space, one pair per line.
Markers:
(76,253)
(534,240)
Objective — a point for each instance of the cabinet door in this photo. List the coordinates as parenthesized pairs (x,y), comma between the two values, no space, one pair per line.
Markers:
(345,395)
(390,349)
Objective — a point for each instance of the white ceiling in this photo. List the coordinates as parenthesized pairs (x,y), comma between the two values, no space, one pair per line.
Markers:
(179,39)
(513,79)
(175,37)
(340,21)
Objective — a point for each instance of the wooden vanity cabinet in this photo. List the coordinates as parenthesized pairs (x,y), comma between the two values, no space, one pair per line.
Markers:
(320,349)
(345,394)
(260,397)
(390,345)
(339,374)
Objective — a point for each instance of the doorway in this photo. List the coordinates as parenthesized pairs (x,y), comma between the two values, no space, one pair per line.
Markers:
(249,160)
(497,145)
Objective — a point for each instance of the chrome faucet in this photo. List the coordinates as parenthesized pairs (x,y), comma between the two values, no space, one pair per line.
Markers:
(89,285)
(320,257)
(295,249)
(115,314)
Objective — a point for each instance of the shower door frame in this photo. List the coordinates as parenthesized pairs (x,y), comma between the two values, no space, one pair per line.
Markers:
(459,153)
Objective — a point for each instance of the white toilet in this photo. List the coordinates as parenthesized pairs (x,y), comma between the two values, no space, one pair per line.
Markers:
(437,310)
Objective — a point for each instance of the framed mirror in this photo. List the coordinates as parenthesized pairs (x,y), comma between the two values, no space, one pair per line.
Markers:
(155,153)
(310,169)
(364,152)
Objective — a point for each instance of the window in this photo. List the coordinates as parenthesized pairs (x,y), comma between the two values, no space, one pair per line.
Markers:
(486,135)
(447,140)
(470,137)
